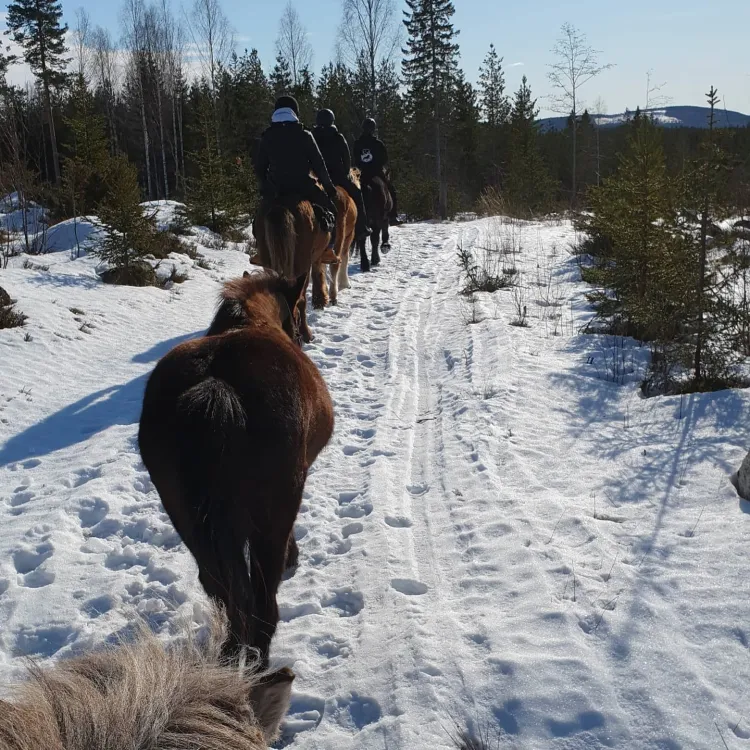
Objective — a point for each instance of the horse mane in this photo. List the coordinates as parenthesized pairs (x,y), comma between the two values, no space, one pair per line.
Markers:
(233,310)
(143,695)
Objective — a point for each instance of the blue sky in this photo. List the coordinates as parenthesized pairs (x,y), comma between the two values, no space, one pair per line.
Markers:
(690,45)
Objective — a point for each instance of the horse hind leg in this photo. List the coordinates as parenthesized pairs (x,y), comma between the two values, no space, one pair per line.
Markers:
(343,272)
(320,286)
(333,289)
(364,261)
(386,246)
(376,247)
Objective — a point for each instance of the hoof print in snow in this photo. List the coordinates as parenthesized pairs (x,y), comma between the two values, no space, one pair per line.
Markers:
(354,712)
(345,602)
(408,586)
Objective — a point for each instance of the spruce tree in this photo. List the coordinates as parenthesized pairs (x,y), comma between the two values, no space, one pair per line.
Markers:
(529,186)
(334,92)
(495,105)
(36,26)
(281,77)
(463,142)
(128,233)
(304,93)
(87,163)
(429,72)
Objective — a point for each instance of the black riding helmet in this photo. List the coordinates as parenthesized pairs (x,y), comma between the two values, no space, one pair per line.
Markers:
(287,102)
(325,118)
(369,126)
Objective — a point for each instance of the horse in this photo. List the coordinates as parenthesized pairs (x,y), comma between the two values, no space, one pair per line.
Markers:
(231,424)
(379,204)
(142,696)
(289,242)
(346,221)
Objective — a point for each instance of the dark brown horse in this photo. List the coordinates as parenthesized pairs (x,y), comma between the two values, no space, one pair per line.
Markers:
(379,204)
(231,423)
(290,242)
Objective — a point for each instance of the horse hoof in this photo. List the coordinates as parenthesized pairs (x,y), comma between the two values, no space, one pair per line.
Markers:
(385,247)
(376,261)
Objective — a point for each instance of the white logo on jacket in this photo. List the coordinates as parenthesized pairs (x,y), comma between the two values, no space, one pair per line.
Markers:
(365,156)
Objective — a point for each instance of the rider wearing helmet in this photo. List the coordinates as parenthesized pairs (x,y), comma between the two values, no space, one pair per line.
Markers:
(286,155)
(335,151)
(371,158)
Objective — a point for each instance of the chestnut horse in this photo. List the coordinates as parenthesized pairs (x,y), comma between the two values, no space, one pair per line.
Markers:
(346,221)
(289,242)
(379,204)
(231,423)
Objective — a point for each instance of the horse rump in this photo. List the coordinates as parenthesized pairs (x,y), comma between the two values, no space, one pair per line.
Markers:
(281,239)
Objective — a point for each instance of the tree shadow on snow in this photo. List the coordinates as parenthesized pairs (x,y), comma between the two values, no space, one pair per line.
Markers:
(157,351)
(90,415)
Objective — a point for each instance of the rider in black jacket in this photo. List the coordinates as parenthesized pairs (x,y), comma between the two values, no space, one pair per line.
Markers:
(286,155)
(371,158)
(335,151)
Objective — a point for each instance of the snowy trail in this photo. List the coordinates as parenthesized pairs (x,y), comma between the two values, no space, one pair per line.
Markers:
(497,534)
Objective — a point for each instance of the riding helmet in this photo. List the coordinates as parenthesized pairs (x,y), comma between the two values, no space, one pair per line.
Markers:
(325,118)
(369,126)
(288,102)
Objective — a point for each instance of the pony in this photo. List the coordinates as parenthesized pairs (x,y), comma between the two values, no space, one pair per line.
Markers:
(231,424)
(379,204)
(289,242)
(346,221)
(144,696)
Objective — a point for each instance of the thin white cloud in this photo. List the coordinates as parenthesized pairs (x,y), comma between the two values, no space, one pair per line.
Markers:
(517,65)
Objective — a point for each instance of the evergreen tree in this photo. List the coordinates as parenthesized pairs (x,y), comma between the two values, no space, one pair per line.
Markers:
(334,92)
(128,233)
(463,141)
(86,166)
(304,93)
(529,186)
(36,26)
(429,72)
(495,105)
(214,197)
(281,77)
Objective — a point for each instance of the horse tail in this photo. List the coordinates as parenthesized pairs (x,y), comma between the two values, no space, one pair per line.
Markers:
(281,237)
(213,444)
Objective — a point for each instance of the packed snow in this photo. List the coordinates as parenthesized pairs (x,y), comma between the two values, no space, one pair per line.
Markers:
(502,533)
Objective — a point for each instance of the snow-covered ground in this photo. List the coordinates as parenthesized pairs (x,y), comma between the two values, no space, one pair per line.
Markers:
(501,532)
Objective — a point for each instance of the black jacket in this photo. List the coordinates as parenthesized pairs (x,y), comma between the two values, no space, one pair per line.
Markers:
(370,155)
(335,151)
(286,155)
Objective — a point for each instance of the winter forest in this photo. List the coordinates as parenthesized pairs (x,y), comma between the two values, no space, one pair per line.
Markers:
(498,458)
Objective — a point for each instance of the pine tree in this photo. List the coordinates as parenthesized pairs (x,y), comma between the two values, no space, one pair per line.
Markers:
(304,93)
(334,92)
(495,105)
(645,266)
(35,25)
(529,186)
(214,197)
(429,72)
(463,141)
(128,232)
(86,166)
(281,77)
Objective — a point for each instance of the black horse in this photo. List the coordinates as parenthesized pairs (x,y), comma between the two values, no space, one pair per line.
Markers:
(379,204)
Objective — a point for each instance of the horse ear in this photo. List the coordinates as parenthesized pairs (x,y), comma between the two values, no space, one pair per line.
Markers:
(245,274)
(270,701)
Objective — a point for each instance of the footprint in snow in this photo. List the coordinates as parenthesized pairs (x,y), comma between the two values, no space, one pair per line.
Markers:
(354,711)
(408,586)
(345,602)
(398,522)
(305,714)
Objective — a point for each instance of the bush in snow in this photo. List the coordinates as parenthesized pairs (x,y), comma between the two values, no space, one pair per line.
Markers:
(9,316)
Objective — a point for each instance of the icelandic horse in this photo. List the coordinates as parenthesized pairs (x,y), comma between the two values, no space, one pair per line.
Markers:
(379,204)
(346,221)
(231,424)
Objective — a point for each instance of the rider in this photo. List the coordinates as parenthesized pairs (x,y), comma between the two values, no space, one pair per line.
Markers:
(286,154)
(335,150)
(371,158)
